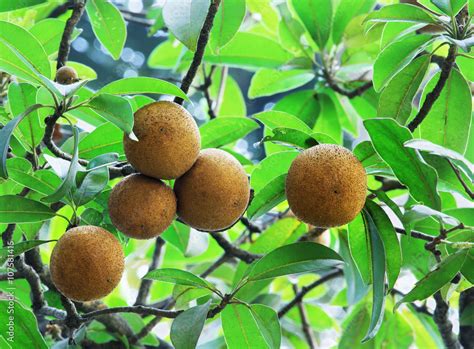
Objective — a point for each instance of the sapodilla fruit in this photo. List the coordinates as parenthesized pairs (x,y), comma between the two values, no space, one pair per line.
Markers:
(66,75)
(168,140)
(326,186)
(214,193)
(86,263)
(142,207)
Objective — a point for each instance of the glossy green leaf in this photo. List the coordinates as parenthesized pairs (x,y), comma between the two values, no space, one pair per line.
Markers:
(268,323)
(388,138)
(316,17)
(290,30)
(19,248)
(178,235)
(303,104)
(346,10)
(221,131)
(5,136)
(274,119)
(419,212)
(24,320)
(108,25)
(247,50)
(388,236)
(6,6)
(328,122)
(68,182)
(49,33)
(359,244)
(43,182)
(396,100)
(185,20)
(187,327)
(142,85)
(106,138)
(17,209)
(437,278)
(179,277)
(267,82)
(272,166)
(450,7)
(115,109)
(227,22)
(401,13)
(291,137)
(16,42)
(449,119)
(395,57)
(378,258)
(297,258)
(268,197)
(92,184)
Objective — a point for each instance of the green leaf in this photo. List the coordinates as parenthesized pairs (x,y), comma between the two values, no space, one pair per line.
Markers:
(269,168)
(221,131)
(267,82)
(448,120)
(388,138)
(378,279)
(106,138)
(43,182)
(17,209)
(316,17)
(108,25)
(300,257)
(397,56)
(303,104)
(188,325)
(6,6)
(274,119)
(247,50)
(268,323)
(401,13)
(345,12)
(241,328)
(68,181)
(178,277)
(328,121)
(16,41)
(396,100)
(92,185)
(26,333)
(382,196)
(434,280)
(49,33)
(115,109)
(419,212)
(91,217)
(142,85)
(268,197)
(388,236)
(450,7)
(290,30)
(19,248)
(5,135)
(359,244)
(227,22)
(458,160)
(185,19)
(292,137)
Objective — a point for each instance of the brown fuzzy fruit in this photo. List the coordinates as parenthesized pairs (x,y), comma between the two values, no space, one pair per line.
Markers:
(168,140)
(214,193)
(142,207)
(326,186)
(87,263)
(66,76)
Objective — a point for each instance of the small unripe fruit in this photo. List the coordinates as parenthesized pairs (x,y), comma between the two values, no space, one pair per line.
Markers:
(86,263)
(214,193)
(142,207)
(168,140)
(326,186)
(66,76)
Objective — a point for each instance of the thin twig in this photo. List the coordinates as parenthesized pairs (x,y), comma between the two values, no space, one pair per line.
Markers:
(64,46)
(461,180)
(234,251)
(416,234)
(201,47)
(308,332)
(138,309)
(145,285)
(434,95)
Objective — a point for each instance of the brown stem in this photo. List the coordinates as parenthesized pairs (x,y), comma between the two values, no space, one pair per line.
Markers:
(466,327)
(461,180)
(434,95)
(445,326)
(308,333)
(64,46)
(234,251)
(201,47)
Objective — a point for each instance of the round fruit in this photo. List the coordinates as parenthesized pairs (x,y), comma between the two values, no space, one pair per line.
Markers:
(87,263)
(214,193)
(66,76)
(326,186)
(168,140)
(142,207)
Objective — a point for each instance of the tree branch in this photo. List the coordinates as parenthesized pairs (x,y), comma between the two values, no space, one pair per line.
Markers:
(305,289)
(466,327)
(145,285)
(33,280)
(138,309)
(416,234)
(234,251)
(201,47)
(434,95)
(445,326)
(461,180)
(64,46)
(308,333)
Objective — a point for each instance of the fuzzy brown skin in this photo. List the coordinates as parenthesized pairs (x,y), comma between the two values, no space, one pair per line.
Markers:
(142,207)
(87,263)
(326,186)
(214,193)
(66,76)
(168,141)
